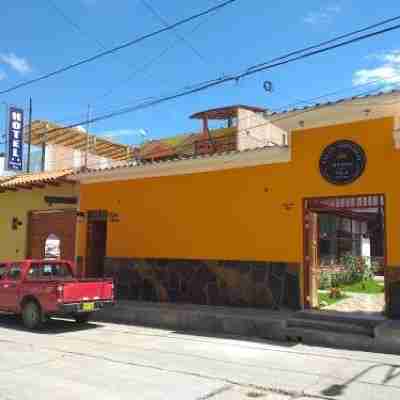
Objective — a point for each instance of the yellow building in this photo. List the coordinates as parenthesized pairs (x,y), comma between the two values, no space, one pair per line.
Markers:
(33,207)
(241,228)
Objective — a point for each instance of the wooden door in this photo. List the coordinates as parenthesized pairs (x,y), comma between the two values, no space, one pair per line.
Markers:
(42,224)
(311,259)
(96,248)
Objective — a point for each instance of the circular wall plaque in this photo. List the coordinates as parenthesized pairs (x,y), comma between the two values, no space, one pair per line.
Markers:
(342,162)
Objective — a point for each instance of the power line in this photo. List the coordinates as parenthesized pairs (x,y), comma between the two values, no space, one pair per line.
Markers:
(164,22)
(118,48)
(335,39)
(237,77)
(76,26)
(145,67)
(334,93)
(282,118)
(100,44)
(249,71)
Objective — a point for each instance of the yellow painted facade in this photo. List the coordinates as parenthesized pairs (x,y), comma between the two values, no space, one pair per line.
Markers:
(241,214)
(13,243)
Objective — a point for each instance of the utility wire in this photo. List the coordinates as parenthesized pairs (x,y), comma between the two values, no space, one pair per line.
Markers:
(76,26)
(335,39)
(118,48)
(282,118)
(100,44)
(231,78)
(334,93)
(145,67)
(194,88)
(164,22)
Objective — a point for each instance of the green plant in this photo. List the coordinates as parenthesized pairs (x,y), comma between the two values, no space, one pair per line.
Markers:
(357,269)
(353,269)
(325,279)
(326,300)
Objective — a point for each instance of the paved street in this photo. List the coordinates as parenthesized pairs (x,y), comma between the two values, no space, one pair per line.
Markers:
(109,361)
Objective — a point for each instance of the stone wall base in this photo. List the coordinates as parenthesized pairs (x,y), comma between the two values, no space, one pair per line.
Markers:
(221,283)
(392,292)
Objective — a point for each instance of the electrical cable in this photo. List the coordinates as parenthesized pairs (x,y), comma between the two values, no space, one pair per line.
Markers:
(249,71)
(296,113)
(335,39)
(145,67)
(237,77)
(165,23)
(117,48)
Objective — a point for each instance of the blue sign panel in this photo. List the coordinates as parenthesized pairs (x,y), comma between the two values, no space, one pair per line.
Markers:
(15,139)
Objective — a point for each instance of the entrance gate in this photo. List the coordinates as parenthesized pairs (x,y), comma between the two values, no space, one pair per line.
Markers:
(338,226)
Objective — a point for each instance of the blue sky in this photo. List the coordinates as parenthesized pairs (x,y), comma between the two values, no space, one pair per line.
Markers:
(36,39)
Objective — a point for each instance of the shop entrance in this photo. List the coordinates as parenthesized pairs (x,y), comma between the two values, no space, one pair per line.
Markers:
(96,243)
(345,254)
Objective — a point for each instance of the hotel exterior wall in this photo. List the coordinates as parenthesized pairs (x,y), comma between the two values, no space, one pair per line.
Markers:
(248,214)
(243,214)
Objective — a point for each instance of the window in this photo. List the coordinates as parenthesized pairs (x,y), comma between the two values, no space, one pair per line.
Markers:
(14,273)
(3,268)
(49,271)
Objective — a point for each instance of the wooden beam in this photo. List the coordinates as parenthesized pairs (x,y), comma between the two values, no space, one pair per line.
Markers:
(50,138)
(74,142)
(63,138)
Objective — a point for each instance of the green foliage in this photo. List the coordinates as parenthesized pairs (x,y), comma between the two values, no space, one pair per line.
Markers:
(326,299)
(355,269)
(368,286)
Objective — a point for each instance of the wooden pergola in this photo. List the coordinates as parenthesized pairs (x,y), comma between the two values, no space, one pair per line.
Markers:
(51,133)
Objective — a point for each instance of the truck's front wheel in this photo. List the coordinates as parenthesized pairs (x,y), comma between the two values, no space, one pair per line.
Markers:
(32,315)
(82,318)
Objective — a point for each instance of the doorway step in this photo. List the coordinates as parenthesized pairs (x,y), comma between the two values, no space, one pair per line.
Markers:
(336,322)
(353,331)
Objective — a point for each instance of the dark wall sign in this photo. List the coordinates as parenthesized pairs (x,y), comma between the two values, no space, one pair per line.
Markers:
(15,139)
(342,162)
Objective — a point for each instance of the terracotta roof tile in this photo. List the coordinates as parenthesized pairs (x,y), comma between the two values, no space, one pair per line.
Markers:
(40,178)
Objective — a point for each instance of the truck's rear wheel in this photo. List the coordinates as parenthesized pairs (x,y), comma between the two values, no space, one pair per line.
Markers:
(82,318)
(32,315)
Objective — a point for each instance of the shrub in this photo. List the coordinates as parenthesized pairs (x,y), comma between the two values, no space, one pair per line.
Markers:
(352,270)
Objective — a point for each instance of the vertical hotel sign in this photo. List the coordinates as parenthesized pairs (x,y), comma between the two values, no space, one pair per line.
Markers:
(15,139)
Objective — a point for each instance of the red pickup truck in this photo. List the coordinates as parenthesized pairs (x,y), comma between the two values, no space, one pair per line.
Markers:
(39,289)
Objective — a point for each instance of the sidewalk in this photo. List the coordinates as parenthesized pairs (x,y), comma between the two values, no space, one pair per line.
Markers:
(314,328)
(268,324)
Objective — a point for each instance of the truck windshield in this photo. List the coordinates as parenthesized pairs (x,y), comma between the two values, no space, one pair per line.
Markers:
(48,271)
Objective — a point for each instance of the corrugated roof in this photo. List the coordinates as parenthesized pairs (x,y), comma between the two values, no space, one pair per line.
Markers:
(34,180)
(155,164)
(334,102)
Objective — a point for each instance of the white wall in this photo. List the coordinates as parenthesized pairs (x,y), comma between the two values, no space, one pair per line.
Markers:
(60,157)
(254,130)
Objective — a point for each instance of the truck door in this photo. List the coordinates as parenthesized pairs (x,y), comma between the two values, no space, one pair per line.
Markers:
(9,288)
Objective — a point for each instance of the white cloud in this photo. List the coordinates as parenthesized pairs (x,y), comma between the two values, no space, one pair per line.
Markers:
(134,133)
(19,64)
(3,75)
(323,15)
(388,72)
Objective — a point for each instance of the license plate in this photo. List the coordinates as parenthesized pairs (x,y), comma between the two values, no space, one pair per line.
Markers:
(88,307)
